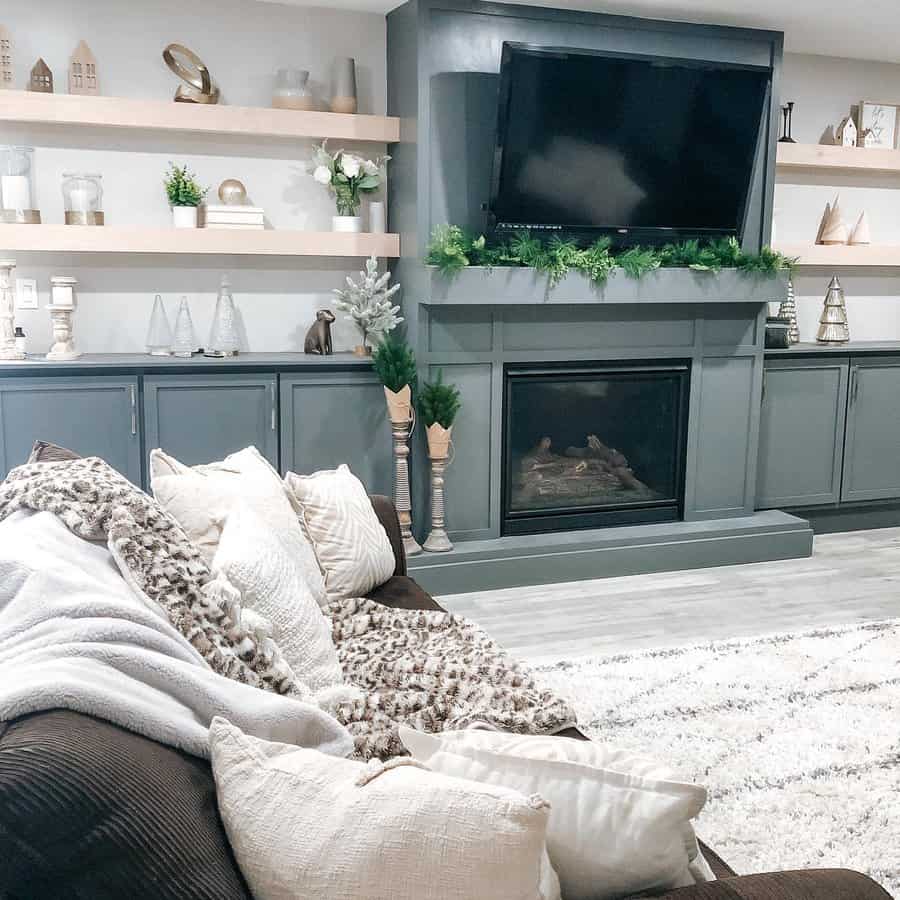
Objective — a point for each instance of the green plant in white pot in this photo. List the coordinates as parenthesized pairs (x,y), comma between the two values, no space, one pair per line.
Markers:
(348,177)
(184,195)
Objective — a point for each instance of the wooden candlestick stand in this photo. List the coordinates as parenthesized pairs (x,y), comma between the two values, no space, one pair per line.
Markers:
(401,432)
(437,540)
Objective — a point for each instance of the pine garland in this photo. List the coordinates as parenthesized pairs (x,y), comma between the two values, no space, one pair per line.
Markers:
(395,364)
(452,249)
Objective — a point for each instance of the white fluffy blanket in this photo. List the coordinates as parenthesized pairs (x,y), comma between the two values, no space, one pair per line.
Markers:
(73,635)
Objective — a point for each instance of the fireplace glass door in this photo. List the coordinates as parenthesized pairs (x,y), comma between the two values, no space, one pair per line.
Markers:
(593,446)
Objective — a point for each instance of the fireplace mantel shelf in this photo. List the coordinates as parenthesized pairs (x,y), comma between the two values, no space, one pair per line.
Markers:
(478,286)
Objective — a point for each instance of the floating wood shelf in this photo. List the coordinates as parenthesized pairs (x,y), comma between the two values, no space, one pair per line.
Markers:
(160,115)
(825,157)
(839,255)
(198,241)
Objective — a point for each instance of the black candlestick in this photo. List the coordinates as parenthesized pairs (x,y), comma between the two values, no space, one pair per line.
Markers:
(787,113)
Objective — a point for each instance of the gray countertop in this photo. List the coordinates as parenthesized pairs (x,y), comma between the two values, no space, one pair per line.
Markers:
(37,364)
(851,347)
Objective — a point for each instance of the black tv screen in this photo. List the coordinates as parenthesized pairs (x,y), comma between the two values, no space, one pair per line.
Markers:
(650,148)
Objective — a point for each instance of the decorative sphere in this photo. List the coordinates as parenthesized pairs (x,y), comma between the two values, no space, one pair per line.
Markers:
(232,192)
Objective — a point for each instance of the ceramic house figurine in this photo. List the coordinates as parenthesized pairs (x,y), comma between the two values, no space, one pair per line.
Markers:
(6,58)
(41,80)
(83,71)
(846,134)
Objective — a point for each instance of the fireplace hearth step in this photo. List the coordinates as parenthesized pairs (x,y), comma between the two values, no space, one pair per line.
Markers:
(529,559)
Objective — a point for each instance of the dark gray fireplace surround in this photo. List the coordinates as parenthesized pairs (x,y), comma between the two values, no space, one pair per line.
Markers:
(443,64)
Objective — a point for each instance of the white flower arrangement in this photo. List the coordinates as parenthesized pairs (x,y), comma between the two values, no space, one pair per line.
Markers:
(347,176)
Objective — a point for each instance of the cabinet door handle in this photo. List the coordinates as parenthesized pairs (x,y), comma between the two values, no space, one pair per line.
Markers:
(274,405)
(763,399)
(854,384)
(133,409)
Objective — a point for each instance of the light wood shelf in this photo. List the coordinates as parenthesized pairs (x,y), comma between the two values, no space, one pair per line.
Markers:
(840,255)
(160,115)
(198,241)
(825,157)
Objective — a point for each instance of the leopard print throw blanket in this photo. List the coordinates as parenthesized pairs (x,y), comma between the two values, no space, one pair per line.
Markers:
(431,670)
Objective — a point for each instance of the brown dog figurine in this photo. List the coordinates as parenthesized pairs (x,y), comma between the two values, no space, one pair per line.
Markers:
(318,338)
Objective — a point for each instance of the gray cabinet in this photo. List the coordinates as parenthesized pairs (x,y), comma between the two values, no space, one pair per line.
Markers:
(200,418)
(801,436)
(872,449)
(94,416)
(328,419)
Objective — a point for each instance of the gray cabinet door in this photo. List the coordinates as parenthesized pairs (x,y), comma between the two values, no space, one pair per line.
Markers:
(801,435)
(872,451)
(201,418)
(329,419)
(94,416)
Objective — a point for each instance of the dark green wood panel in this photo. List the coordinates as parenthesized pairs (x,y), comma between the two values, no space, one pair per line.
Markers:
(93,415)
(331,419)
(801,432)
(872,452)
(202,418)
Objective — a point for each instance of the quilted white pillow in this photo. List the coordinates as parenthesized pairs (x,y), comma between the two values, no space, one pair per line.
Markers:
(619,824)
(351,544)
(270,581)
(306,825)
(200,498)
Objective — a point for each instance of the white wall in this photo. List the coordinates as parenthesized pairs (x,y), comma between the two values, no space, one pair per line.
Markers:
(824,88)
(243,42)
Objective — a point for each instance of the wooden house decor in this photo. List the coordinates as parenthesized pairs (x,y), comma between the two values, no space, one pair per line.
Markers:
(41,79)
(6,58)
(83,71)
(847,133)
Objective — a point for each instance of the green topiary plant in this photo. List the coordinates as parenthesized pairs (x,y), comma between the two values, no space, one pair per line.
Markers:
(182,188)
(395,364)
(438,402)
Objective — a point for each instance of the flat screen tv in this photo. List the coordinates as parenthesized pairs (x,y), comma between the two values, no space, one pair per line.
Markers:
(642,149)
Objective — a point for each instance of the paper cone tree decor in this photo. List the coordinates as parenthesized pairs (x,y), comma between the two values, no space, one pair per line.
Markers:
(833,327)
(861,233)
(834,231)
(788,310)
(823,222)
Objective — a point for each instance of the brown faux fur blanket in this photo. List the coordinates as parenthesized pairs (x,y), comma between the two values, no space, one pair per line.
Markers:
(431,670)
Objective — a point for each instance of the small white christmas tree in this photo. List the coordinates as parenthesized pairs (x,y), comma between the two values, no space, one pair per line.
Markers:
(368,303)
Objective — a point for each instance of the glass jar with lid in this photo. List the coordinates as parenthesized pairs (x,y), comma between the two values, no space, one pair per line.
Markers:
(16,188)
(83,198)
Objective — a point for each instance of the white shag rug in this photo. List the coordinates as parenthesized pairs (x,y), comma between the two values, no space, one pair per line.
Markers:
(796,736)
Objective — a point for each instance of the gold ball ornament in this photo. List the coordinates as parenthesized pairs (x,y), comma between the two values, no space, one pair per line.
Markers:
(232,192)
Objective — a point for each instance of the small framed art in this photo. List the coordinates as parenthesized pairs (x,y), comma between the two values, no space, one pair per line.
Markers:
(878,125)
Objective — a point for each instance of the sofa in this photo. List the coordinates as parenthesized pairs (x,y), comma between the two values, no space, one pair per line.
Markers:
(89,810)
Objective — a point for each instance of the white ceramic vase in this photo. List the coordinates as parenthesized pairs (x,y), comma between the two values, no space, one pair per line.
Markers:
(346,223)
(184,216)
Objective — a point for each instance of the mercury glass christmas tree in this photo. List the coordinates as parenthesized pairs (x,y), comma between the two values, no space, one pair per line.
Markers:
(788,310)
(184,343)
(223,338)
(833,327)
(159,334)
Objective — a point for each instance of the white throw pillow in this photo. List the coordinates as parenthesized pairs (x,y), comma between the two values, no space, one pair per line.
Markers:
(306,825)
(271,583)
(200,498)
(619,824)
(351,544)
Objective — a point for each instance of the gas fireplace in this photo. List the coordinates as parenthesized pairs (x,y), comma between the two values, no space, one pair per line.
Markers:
(592,445)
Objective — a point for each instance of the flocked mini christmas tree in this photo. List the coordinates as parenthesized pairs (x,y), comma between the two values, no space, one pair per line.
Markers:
(368,304)
(788,310)
(833,327)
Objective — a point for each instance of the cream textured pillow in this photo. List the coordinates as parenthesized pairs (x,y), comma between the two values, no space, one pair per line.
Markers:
(271,583)
(200,498)
(306,825)
(351,544)
(619,824)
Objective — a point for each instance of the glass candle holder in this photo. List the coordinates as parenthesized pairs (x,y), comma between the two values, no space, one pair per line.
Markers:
(291,90)
(16,195)
(83,198)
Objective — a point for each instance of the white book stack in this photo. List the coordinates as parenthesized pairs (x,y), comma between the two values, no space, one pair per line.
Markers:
(221,216)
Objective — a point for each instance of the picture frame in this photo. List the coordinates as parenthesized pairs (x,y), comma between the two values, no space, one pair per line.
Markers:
(880,120)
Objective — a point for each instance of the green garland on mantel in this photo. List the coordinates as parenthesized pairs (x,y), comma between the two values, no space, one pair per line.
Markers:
(452,249)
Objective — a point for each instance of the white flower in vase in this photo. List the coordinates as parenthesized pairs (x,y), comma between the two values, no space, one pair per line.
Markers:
(350,165)
(322,174)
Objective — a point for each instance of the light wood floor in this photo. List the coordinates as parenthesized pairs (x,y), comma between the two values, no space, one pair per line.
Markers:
(851,577)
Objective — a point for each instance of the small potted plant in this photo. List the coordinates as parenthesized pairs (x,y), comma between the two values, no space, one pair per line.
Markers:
(368,304)
(184,194)
(348,177)
(438,405)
